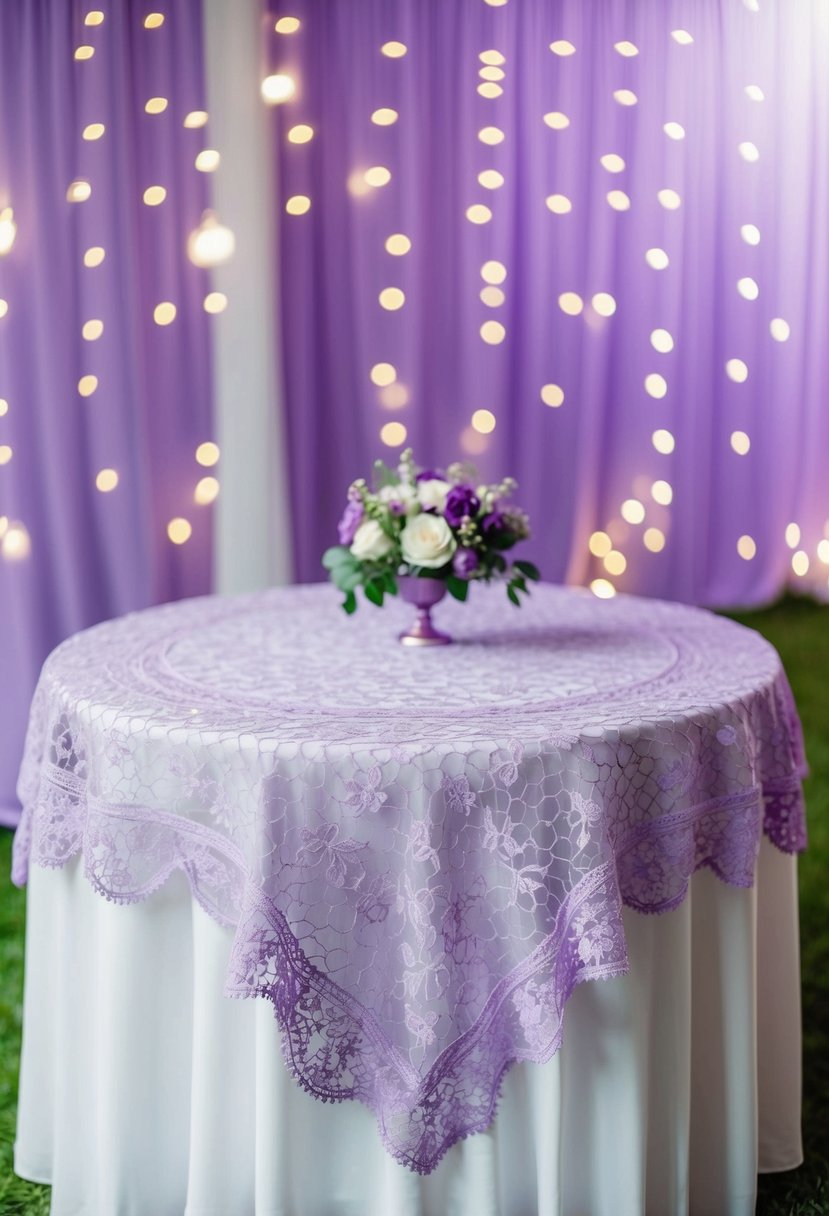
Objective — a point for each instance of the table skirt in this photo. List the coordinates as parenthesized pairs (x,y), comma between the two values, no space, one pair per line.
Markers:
(146,1092)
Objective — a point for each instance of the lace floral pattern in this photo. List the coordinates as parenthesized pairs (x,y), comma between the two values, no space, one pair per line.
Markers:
(420,855)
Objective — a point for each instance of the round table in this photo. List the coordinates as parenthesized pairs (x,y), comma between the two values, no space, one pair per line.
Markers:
(416,857)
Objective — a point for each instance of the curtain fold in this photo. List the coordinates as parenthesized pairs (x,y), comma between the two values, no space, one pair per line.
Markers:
(83,281)
(648,343)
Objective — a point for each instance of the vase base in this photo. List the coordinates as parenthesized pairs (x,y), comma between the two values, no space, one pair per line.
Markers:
(435,638)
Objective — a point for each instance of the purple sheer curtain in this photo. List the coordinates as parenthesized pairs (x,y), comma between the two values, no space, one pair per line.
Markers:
(679,407)
(71,553)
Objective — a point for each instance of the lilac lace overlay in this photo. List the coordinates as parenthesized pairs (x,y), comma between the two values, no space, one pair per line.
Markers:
(421,854)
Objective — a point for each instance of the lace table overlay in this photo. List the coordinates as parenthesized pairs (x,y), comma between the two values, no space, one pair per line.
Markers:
(421,852)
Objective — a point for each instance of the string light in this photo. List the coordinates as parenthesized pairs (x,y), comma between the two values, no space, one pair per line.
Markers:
(749,152)
(377,175)
(94,256)
(800,563)
(662,341)
(493,297)
(559,204)
(663,441)
(93,131)
(615,562)
(625,97)
(495,58)
(298,204)
(392,299)
(215,302)
(207,454)
(633,511)
(4,307)
(6,453)
(562,47)
(490,179)
(779,329)
(383,374)
(662,492)
(393,50)
(674,130)
(552,395)
(383,117)
(599,544)
(8,230)
(570,303)
(491,135)
(656,385)
(736,370)
(483,421)
(654,539)
(92,330)
(478,214)
(156,105)
(557,120)
(657,259)
(153,20)
(604,304)
(493,332)
(792,535)
(682,37)
(750,234)
(490,90)
(179,530)
(669,199)
(398,244)
(754,93)
(154,196)
(106,480)
(287,25)
(78,192)
(164,313)
(612,162)
(393,434)
(94,17)
(746,547)
(740,442)
(84,52)
(206,491)
(491,73)
(211,244)
(195,119)
(493,272)
(16,543)
(618,200)
(626,49)
(278,88)
(602,588)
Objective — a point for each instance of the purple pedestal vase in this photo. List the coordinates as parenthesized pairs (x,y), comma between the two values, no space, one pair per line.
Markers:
(423,593)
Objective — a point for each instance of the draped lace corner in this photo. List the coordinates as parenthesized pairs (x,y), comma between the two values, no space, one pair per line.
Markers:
(337,1050)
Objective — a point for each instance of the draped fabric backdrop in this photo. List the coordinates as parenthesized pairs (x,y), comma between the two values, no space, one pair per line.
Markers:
(618,251)
(72,553)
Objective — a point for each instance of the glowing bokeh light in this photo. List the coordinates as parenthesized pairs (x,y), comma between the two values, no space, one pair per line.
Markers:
(92,330)
(625,97)
(495,58)
(654,539)
(748,288)
(287,25)
(669,199)
(746,547)
(490,179)
(618,200)
(559,204)
(382,374)
(16,544)
(491,73)
(750,234)
(84,52)
(674,130)
(626,49)
(394,396)
(489,90)
(211,243)
(491,136)
(557,120)
(278,88)
(156,105)
(384,117)
(106,480)
(657,259)
(6,453)
(603,303)
(93,131)
(736,370)
(398,244)
(154,195)
(662,492)
(94,256)
(179,530)
(655,385)
(663,441)
(483,421)
(800,563)
(195,119)
(612,162)
(94,17)
(740,442)
(562,47)
(153,20)
(78,191)
(207,160)
(682,37)
(377,175)
(393,434)
(206,491)
(615,562)
(298,204)
(779,329)
(493,332)
(602,588)
(493,297)
(478,214)
(633,511)
(393,50)
(207,454)
(552,395)
(493,272)
(792,535)
(599,544)
(87,385)
(300,134)
(215,302)
(8,230)
(754,93)
(164,313)
(570,303)
(662,341)
(749,151)
(391,298)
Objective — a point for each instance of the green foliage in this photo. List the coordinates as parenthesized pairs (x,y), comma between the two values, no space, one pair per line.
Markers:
(458,587)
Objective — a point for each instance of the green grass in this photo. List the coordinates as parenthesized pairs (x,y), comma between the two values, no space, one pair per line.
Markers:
(800,631)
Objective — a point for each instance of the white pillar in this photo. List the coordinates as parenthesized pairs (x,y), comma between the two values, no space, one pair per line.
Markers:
(253,539)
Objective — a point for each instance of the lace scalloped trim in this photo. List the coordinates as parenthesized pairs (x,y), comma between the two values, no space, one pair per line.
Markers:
(335,1047)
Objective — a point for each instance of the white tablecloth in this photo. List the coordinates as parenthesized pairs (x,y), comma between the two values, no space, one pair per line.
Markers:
(145,1092)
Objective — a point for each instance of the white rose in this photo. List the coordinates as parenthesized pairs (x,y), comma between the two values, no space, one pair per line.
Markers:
(427,541)
(402,493)
(370,542)
(431,494)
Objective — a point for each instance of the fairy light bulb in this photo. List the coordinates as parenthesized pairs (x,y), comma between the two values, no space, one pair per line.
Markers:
(8,230)
(211,243)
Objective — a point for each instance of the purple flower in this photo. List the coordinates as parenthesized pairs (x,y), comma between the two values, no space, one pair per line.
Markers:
(350,522)
(492,523)
(464,563)
(430,475)
(460,501)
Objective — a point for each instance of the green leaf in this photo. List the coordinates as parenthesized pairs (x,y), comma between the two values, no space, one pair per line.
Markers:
(498,562)
(528,570)
(458,587)
(389,582)
(336,556)
(350,603)
(374,591)
(347,577)
(518,583)
(513,595)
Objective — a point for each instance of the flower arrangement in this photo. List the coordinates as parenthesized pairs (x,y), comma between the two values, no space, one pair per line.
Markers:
(425,523)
